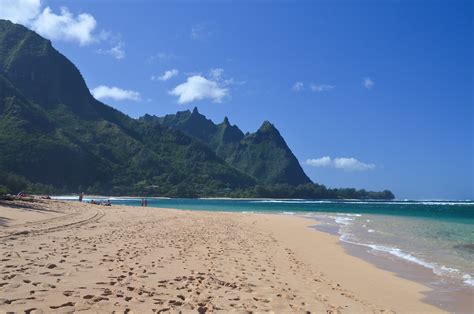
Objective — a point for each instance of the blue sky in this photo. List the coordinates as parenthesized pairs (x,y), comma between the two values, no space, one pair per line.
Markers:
(368,94)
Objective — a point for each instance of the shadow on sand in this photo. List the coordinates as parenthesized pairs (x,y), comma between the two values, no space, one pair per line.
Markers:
(32,205)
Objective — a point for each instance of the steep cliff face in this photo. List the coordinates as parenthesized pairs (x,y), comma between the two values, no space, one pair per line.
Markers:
(263,155)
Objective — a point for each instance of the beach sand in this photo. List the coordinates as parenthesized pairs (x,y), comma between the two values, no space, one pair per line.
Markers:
(64,256)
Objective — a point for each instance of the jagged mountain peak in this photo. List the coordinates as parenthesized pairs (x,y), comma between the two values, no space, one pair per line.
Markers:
(267,126)
(263,154)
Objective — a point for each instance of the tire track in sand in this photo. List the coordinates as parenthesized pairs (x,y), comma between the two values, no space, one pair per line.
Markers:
(91,216)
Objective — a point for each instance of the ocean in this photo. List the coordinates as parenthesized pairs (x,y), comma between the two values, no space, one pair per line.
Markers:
(437,235)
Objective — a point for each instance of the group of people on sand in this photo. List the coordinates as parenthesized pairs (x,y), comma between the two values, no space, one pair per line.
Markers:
(143,203)
(102,203)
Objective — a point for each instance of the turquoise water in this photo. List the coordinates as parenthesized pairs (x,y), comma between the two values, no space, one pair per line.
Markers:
(438,235)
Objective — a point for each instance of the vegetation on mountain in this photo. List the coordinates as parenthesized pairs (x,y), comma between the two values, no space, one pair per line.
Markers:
(264,155)
(56,138)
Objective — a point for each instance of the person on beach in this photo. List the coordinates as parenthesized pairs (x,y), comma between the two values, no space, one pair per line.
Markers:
(142,203)
(146,202)
(81,196)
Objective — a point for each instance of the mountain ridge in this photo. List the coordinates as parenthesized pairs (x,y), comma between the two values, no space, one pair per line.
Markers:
(263,154)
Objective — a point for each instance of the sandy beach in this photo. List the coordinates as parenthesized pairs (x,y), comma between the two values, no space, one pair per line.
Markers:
(69,256)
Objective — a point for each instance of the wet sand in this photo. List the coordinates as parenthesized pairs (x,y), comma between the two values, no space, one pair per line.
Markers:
(445,293)
(66,256)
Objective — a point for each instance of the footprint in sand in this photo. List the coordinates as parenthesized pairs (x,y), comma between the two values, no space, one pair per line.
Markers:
(54,307)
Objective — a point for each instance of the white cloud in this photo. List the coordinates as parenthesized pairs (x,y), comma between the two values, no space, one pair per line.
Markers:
(198,87)
(343,163)
(368,83)
(320,162)
(115,93)
(117,51)
(321,87)
(201,31)
(166,76)
(352,164)
(297,87)
(64,26)
(19,11)
(216,74)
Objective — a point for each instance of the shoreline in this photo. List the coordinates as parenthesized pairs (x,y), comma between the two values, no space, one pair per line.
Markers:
(255,262)
(70,196)
(89,196)
(355,274)
(445,293)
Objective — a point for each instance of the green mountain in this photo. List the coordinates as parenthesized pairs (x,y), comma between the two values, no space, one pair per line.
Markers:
(54,133)
(56,138)
(264,155)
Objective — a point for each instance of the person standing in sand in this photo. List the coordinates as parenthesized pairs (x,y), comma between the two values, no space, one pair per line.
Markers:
(81,196)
